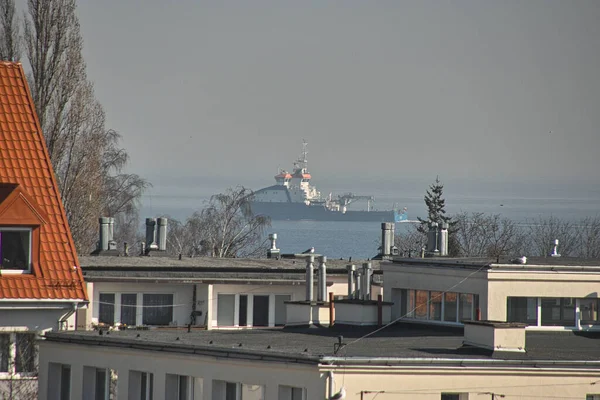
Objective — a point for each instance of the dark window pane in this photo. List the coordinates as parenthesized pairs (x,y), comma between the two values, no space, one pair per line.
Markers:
(4,352)
(230,391)
(25,358)
(106,308)
(243,310)
(14,249)
(522,309)
(65,382)
(260,311)
(225,309)
(158,309)
(128,308)
(450,396)
(589,311)
(100,384)
(450,305)
(558,311)
(466,307)
(435,306)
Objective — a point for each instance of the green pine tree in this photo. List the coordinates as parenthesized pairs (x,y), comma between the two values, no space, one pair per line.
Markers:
(436,212)
(435,202)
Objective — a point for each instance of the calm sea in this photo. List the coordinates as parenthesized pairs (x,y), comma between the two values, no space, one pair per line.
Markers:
(360,240)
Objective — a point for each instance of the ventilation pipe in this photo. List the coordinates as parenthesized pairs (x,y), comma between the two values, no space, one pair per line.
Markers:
(555,252)
(387,238)
(358,283)
(351,273)
(443,239)
(273,252)
(112,245)
(309,277)
(103,234)
(322,280)
(151,234)
(161,233)
(366,281)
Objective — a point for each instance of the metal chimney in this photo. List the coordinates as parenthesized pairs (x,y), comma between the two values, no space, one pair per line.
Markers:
(103,233)
(443,239)
(366,281)
(161,233)
(273,252)
(358,283)
(387,238)
(351,272)
(112,245)
(555,252)
(432,238)
(322,280)
(151,234)
(309,277)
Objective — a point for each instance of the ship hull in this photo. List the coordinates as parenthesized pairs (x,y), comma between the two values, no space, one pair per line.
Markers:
(302,212)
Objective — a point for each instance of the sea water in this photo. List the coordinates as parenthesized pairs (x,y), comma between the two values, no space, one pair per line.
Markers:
(360,240)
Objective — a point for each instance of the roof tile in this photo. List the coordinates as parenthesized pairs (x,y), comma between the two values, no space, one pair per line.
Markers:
(24,160)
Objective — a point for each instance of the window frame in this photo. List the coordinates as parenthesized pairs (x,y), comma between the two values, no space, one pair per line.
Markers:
(13,271)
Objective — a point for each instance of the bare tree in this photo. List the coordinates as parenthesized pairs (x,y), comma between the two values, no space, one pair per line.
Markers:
(10,36)
(411,242)
(225,227)
(482,235)
(543,232)
(588,238)
(85,155)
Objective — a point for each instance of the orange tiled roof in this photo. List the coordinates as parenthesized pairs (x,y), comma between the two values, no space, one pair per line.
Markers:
(24,161)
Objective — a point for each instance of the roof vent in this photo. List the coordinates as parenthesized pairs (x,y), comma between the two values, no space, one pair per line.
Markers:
(495,335)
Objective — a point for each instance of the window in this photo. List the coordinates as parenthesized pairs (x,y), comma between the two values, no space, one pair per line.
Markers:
(558,311)
(128,308)
(158,309)
(225,309)
(435,306)
(450,307)
(450,396)
(466,307)
(260,311)
(4,352)
(522,309)
(243,310)
(588,309)
(25,354)
(15,249)
(252,392)
(592,397)
(421,299)
(291,393)
(179,387)
(65,382)
(106,308)
(101,389)
(141,385)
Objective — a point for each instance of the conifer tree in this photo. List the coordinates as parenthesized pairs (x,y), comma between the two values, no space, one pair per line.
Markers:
(435,202)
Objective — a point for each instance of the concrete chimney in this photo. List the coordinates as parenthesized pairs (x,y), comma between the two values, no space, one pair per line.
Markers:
(310,277)
(322,280)
(351,273)
(161,233)
(273,252)
(443,239)
(151,234)
(366,281)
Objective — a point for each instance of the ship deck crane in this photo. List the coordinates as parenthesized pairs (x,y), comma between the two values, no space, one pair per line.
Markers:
(349,198)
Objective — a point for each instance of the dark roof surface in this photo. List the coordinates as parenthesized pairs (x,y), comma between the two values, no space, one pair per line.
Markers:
(205,268)
(401,341)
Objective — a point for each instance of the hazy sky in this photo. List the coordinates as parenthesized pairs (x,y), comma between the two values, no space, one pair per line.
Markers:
(382,90)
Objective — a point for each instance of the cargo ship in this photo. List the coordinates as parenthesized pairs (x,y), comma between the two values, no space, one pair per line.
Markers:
(294,198)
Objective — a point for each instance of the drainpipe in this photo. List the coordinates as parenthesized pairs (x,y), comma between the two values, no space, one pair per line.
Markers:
(65,317)
(330,384)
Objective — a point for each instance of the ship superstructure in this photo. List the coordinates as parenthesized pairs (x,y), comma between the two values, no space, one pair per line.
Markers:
(294,198)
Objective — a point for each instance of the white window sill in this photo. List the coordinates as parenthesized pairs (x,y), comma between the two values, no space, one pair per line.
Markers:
(15,272)
(18,375)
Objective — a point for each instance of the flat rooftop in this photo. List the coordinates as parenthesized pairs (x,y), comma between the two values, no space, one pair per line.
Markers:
(400,343)
(500,263)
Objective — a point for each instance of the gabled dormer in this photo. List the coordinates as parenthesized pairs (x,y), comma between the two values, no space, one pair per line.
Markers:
(20,221)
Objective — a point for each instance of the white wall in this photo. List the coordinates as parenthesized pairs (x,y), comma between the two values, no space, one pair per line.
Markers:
(268,374)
